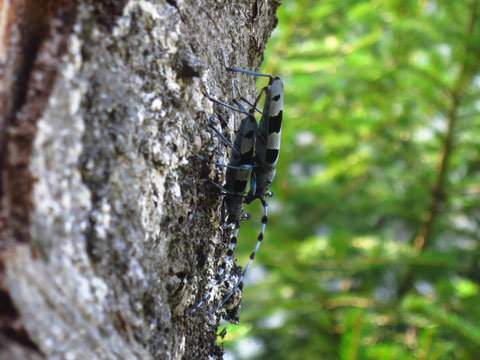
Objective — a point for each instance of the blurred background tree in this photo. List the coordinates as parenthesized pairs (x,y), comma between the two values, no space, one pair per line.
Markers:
(372,248)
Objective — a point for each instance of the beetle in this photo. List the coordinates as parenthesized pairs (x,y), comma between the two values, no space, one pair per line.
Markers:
(267,150)
(254,156)
(237,176)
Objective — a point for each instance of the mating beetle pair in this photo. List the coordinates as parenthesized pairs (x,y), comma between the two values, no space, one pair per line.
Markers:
(254,156)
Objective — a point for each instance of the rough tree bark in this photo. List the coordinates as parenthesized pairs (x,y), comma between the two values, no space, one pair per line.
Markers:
(107,235)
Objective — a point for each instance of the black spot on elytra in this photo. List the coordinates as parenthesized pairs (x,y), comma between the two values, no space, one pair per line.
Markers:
(275,123)
(271,156)
(276,98)
(239,186)
(249,135)
(246,158)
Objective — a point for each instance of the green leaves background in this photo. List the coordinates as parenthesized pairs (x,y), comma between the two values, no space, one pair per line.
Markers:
(372,248)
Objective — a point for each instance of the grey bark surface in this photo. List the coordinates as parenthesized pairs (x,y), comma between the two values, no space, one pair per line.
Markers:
(122,238)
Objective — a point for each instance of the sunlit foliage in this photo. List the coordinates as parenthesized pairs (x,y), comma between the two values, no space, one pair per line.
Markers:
(372,248)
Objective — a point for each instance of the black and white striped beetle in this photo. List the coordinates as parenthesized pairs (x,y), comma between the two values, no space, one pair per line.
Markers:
(267,149)
(259,168)
(238,174)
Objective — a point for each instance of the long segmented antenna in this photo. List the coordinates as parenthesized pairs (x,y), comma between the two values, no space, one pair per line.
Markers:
(252,256)
(240,108)
(231,107)
(249,72)
(245,71)
(254,106)
(241,167)
(251,104)
(224,139)
(233,242)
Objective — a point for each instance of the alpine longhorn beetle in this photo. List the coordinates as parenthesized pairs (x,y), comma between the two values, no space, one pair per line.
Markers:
(238,174)
(267,149)
(259,167)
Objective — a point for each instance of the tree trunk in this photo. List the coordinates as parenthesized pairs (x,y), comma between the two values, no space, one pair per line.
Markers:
(108,236)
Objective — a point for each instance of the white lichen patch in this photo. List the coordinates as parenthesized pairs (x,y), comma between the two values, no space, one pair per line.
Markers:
(176,191)
(102,218)
(156,194)
(157,105)
(145,6)
(75,99)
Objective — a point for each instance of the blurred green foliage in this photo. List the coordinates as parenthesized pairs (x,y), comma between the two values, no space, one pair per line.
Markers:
(372,248)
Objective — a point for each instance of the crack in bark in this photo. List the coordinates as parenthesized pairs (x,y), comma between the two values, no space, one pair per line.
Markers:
(24,99)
